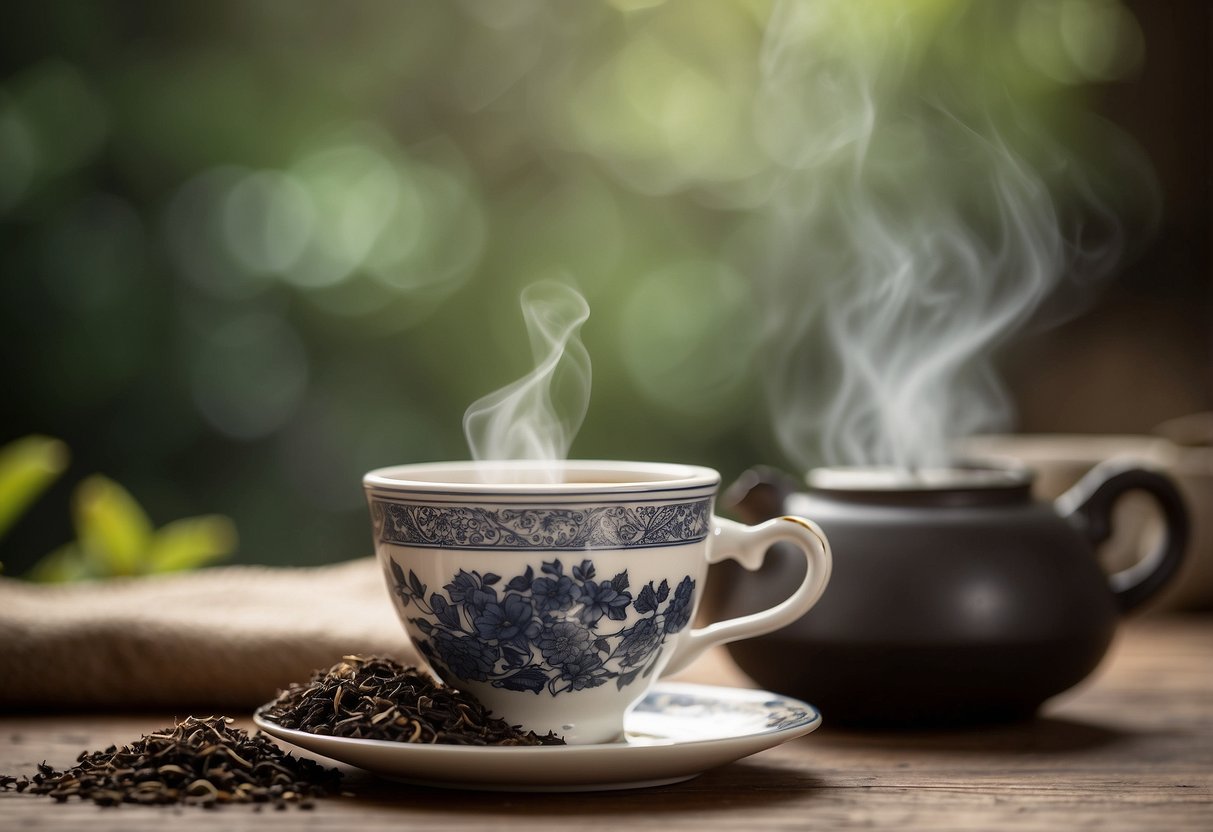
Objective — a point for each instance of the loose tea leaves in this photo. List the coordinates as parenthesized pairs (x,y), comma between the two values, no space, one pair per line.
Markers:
(377,698)
(199,761)
(205,762)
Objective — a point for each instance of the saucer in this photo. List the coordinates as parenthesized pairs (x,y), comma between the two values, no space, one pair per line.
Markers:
(678,731)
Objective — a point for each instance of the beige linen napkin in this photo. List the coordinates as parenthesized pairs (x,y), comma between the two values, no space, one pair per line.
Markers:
(219,638)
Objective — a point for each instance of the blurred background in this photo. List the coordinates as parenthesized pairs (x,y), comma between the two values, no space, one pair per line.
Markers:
(252,249)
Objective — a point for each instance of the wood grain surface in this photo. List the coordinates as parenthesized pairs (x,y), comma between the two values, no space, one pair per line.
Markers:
(1130,749)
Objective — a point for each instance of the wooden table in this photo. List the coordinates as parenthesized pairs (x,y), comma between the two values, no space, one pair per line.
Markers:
(1130,749)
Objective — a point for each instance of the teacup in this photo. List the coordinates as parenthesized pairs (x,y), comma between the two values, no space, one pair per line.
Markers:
(558,605)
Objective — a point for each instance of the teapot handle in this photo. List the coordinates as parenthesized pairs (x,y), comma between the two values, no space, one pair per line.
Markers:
(1089,503)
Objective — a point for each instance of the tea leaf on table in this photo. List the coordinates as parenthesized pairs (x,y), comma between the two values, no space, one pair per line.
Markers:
(199,762)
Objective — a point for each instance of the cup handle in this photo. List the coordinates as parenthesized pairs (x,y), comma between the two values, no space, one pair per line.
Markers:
(748,546)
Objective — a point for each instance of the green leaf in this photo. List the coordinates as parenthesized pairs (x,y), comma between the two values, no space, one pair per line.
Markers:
(111,528)
(191,542)
(67,563)
(28,466)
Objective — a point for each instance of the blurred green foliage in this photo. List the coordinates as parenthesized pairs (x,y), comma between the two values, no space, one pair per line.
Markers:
(254,248)
(114,537)
(28,466)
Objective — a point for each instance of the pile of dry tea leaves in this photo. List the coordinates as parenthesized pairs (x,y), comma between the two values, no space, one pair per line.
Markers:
(379,699)
(199,761)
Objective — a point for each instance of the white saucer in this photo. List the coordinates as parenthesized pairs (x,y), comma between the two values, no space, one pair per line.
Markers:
(676,732)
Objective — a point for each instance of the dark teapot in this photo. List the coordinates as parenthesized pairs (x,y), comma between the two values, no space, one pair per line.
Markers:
(955,598)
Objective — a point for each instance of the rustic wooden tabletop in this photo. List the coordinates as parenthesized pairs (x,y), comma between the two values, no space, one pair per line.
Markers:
(1131,749)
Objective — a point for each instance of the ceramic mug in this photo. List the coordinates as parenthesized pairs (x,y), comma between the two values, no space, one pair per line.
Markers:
(558,605)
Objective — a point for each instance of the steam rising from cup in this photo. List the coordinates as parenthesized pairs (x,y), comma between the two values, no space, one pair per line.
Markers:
(537,416)
(920,217)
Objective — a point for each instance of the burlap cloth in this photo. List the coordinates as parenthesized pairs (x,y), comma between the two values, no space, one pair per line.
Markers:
(223,638)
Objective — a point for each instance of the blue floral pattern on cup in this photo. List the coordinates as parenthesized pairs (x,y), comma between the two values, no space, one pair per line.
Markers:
(554,631)
(513,527)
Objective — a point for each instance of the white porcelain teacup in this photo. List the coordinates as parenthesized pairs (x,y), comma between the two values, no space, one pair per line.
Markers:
(558,605)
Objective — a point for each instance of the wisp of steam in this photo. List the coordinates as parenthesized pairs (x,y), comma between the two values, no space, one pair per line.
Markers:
(917,222)
(537,416)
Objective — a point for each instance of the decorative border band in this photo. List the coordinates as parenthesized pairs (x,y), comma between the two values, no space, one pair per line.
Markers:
(541,529)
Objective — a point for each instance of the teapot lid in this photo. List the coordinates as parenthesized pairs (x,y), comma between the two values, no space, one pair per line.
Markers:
(963,484)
